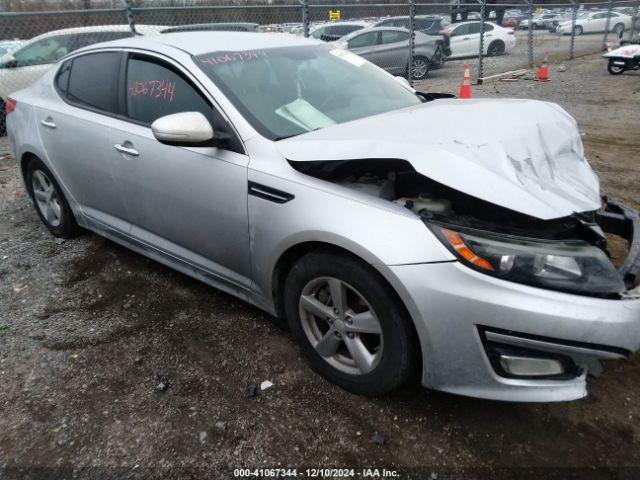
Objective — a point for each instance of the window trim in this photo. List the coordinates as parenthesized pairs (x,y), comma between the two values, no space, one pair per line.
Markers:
(121,87)
(64,94)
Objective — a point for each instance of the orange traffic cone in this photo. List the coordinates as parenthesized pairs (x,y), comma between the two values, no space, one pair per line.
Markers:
(465,88)
(543,70)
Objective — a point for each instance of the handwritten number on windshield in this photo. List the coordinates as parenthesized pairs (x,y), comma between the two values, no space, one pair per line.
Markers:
(226,57)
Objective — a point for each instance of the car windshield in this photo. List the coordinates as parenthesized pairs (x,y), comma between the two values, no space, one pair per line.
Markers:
(288,91)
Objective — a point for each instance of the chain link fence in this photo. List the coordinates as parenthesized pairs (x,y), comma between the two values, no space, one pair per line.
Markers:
(410,38)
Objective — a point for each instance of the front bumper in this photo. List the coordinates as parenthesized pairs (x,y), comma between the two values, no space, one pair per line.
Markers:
(465,319)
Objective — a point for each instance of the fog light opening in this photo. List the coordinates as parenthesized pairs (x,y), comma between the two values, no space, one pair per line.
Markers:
(520,366)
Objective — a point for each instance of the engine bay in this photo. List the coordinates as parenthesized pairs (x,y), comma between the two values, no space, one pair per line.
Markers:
(396,181)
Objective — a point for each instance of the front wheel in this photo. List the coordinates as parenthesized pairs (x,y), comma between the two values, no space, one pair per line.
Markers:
(351,327)
(420,68)
(614,69)
(577,30)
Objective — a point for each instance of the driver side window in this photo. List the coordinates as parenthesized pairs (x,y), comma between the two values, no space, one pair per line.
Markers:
(155,89)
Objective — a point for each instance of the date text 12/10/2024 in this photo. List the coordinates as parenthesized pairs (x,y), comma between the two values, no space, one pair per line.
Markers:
(315,473)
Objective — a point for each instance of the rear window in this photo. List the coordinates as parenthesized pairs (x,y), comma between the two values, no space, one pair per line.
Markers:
(92,81)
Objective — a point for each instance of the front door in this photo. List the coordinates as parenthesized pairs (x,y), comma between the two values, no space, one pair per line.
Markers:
(189,202)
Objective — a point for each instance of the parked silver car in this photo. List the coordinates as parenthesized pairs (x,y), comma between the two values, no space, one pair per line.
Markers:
(396,233)
(388,48)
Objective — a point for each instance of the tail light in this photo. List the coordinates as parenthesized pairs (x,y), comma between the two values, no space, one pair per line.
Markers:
(10,105)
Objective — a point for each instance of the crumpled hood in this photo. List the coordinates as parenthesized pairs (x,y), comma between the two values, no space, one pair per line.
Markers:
(525,155)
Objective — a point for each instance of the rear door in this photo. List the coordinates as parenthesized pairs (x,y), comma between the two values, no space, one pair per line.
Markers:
(75,132)
(365,45)
(596,23)
(189,202)
(393,52)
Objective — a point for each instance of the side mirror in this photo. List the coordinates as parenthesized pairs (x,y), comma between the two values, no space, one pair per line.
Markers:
(183,129)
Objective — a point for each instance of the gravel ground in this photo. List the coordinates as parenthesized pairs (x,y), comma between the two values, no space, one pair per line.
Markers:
(86,328)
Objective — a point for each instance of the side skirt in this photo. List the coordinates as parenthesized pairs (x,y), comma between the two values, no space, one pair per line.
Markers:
(177,263)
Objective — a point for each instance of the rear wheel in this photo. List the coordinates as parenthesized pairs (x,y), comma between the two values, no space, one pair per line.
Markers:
(496,48)
(349,324)
(618,28)
(420,68)
(614,69)
(577,30)
(51,205)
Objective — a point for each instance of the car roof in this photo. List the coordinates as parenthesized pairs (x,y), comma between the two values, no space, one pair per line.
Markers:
(359,23)
(454,25)
(213,24)
(198,43)
(378,29)
(143,29)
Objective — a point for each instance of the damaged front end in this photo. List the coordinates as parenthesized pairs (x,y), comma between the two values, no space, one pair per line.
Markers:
(546,282)
(567,254)
(520,339)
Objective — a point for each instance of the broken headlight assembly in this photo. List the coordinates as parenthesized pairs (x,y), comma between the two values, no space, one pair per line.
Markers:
(567,266)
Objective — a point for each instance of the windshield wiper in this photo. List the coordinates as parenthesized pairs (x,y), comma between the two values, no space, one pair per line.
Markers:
(284,137)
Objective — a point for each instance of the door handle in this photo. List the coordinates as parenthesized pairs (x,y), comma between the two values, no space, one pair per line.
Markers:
(126,150)
(48,123)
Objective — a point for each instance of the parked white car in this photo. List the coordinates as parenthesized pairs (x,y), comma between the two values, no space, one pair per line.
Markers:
(21,67)
(330,32)
(465,39)
(593,22)
(7,46)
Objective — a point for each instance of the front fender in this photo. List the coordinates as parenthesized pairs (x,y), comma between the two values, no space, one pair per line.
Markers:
(377,231)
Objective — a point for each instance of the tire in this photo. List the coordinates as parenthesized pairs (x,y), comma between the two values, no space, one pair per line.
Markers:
(577,30)
(49,201)
(420,68)
(391,356)
(496,48)
(614,69)
(3,119)
(618,28)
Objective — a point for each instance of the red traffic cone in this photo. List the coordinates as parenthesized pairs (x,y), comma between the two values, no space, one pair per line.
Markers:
(465,88)
(543,70)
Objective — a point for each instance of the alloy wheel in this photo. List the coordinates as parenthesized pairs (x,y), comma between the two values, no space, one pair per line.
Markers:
(46,198)
(341,325)
(420,69)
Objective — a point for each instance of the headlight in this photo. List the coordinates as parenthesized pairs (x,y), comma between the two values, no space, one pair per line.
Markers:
(572,266)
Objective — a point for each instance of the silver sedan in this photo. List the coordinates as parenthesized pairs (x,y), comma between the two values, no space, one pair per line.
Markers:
(388,48)
(398,233)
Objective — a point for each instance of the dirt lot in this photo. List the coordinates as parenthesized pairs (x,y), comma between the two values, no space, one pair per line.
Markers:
(86,327)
